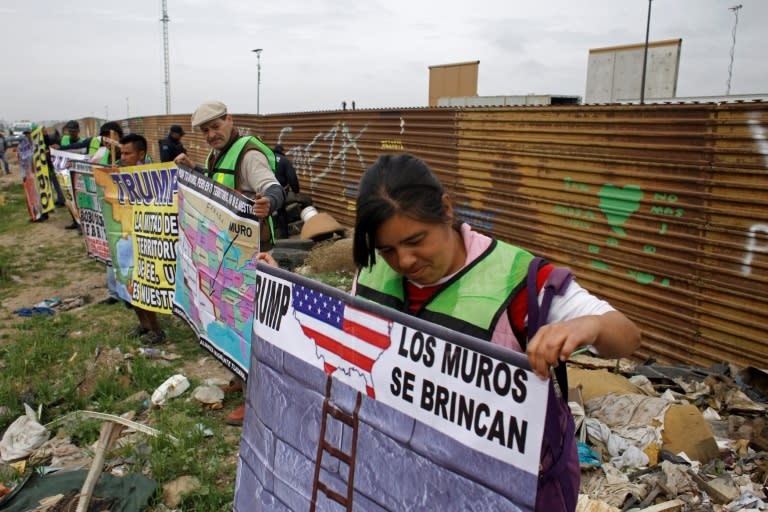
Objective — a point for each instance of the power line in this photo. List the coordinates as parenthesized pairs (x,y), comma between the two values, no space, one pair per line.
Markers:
(735,10)
(165,19)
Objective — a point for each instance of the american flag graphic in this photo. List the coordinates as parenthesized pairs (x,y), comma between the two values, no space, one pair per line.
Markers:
(347,339)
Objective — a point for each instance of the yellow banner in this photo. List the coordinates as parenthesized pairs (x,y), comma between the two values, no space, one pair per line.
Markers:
(40,169)
(140,215)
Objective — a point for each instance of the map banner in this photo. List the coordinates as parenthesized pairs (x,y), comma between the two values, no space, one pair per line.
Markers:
(62,162)
(216,267)
(90,216)
(386,410)
(140,216)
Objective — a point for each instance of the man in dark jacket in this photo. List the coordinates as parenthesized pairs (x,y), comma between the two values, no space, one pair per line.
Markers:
(171,147)
(286,175)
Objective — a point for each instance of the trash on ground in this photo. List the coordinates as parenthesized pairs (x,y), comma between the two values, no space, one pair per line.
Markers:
(23,436)
(171,388)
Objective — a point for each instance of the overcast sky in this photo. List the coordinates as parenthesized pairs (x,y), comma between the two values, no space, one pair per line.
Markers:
(77,58)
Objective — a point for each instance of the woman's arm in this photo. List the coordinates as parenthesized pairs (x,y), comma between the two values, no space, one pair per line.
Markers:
(611,333)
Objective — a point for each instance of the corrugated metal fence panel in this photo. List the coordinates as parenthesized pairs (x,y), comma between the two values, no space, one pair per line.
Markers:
(331,150)
(660,209)
(617,193)
(734,262)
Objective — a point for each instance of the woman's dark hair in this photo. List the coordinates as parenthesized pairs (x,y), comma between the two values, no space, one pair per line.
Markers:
(394,184)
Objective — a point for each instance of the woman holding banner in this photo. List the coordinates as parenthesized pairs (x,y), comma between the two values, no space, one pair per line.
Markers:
(413,255)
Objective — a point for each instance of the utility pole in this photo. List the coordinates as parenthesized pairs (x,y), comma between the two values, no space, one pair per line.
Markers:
(645,53)
(735,10)
(165,19)
(258,51)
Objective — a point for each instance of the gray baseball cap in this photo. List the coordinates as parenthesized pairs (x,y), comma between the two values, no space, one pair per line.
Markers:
(208,111)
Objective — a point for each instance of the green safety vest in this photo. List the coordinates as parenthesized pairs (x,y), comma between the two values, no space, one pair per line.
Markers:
(225,168)
(94,145)
(106,157)
(66,140)
(471,302)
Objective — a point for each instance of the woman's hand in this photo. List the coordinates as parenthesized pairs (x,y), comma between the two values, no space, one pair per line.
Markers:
(612,334)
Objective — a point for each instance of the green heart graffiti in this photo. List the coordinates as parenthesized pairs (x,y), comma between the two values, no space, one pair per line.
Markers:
(618,204)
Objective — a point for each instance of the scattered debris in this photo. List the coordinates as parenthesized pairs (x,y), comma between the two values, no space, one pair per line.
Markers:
(171,388)
(23,436)
(105,363)
(671,438)
(175,490)
(211,396)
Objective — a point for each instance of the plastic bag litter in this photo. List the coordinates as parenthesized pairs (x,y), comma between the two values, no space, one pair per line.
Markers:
(23,436)
(171,388)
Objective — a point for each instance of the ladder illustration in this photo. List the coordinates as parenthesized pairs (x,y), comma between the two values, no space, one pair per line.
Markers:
(324,446)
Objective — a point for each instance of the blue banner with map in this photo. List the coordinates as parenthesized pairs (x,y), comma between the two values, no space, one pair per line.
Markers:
(216,267)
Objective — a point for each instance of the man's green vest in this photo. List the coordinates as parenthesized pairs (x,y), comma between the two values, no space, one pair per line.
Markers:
(94,146)
(106,157)
(226,166)
(66,140)
(471,302)
(225,169)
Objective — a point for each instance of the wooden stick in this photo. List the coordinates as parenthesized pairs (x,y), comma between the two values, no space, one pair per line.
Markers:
(668,506)
(109,433)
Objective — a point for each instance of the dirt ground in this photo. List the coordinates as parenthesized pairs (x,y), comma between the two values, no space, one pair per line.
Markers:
(50,233)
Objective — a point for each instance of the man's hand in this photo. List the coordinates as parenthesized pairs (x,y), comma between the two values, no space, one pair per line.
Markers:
(261,206)
(267,258)
(184,160)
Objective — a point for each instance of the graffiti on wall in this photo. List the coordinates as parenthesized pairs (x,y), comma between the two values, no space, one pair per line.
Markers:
(759,136)
(754,246)
(327,151)
(617,205)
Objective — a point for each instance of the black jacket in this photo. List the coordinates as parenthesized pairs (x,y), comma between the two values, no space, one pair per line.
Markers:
(170,149)
(285,173)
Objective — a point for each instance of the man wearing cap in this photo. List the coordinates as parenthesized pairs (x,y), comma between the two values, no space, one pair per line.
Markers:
(247,165)
(244,163)
(171,147)
(71,133)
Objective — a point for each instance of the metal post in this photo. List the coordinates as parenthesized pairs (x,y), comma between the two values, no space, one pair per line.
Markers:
(735,10)
(645,53)
(166,59)
(257,51)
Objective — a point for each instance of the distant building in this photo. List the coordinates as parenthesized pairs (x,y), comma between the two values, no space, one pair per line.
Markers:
(615,73)
(451,80)
(507,101)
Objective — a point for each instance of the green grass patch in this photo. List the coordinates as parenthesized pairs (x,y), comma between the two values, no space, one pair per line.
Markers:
(14,210)
(6,267)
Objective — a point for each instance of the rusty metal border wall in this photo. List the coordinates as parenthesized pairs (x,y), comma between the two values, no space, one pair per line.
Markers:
(660,209)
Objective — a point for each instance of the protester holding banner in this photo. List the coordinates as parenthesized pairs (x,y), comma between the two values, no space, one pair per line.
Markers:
(431,266)
(71,133)
(245,164)
(133,151)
